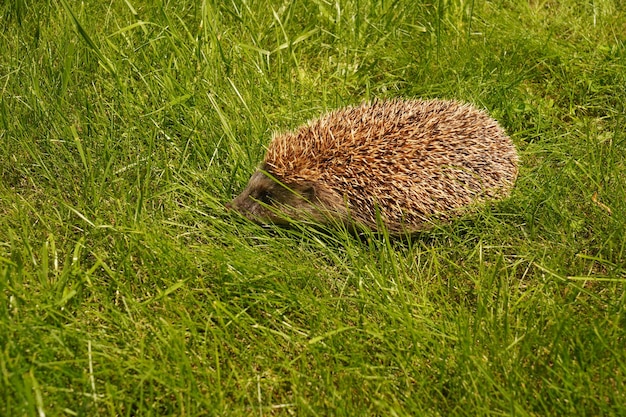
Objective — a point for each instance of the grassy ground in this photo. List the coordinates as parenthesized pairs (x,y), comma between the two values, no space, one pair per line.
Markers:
(127,289)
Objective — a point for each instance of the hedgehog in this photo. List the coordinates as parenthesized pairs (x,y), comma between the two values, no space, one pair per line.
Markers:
(401,164)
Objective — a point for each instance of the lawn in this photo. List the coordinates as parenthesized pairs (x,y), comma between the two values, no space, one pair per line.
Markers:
(127,288)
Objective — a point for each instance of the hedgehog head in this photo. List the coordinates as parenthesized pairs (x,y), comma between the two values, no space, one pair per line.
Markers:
(269,199)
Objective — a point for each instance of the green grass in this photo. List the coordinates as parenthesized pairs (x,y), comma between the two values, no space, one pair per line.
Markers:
(127,289)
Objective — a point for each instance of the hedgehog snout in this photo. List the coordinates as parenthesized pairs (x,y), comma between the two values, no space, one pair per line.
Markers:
(254,199)
(244,204)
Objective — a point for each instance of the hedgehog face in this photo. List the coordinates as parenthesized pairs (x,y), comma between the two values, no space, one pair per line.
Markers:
(266,200)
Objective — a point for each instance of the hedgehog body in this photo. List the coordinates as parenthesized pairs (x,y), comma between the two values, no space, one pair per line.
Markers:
(404,163)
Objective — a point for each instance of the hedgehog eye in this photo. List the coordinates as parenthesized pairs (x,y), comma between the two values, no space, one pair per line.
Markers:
(309,193)
(264,196)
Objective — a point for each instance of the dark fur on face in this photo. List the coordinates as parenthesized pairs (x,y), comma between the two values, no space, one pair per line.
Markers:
(267,200)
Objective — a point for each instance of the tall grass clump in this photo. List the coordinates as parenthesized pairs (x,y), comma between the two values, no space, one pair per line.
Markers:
(126,288)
